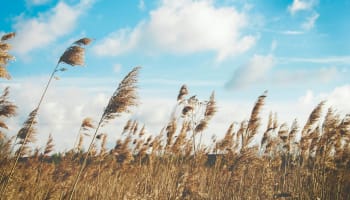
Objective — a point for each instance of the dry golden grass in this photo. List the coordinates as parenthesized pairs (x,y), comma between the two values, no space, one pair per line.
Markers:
(175,164)
(156,168)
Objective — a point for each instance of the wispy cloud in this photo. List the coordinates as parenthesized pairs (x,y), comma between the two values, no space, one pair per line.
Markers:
(319,60)
(251,73)
(284,32)
(305,5)
(292,32)
(38,32)
(183,27)
(310,22)
(300,5)
(141,5)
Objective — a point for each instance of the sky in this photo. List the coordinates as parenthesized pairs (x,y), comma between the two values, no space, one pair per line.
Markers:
(298,50)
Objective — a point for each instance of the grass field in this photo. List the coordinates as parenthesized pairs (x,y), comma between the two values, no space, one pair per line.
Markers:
(174,164)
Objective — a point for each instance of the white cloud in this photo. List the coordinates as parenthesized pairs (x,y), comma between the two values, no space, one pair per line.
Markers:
(251,73)
(38,32)
(307,98)
(305,5)
(141,5)
(183,27)
(310,22)
(301,5)
(340,98)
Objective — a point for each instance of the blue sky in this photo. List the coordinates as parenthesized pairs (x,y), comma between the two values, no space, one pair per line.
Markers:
(298,50)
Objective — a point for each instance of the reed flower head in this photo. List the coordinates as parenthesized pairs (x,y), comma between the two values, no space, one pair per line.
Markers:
(75,54)
(5,57)
(123,98)
(183,92)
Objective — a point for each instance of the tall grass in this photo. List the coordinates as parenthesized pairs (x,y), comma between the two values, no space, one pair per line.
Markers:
(74,55)
(175,164)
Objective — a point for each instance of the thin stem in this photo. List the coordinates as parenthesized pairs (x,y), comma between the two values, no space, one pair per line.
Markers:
(85,160)
(77,138)
(3,190)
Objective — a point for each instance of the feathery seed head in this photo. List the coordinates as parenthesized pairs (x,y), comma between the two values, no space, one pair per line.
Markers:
(74,55)
(83,41)
(183,92)
(124,97)
(87,123)
(8,36)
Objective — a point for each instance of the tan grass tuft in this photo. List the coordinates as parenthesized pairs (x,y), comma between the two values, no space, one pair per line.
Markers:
(183,92)
(124,97)
(83,41)
(75,54)
(49,146)
(8,36)
(5,57)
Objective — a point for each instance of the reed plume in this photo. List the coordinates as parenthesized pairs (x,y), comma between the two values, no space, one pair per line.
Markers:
(254,121)
(283,134)
(127,126)
(86,124)
(49,146)
(183,92)
(170,131)
(27,133)
(308,128)
(7,108)
(120,102)
(70,57)
(292,137)
(180,140)
(5,57)
(227,142)
(267,134)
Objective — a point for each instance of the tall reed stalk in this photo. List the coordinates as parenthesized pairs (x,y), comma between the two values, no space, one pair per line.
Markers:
(124,97)
(74,55)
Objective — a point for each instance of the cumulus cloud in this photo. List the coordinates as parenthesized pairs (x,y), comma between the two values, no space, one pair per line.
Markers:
(38,32)
(251,73)
(338,98)
(183,27)
(307,98)
(301,5)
